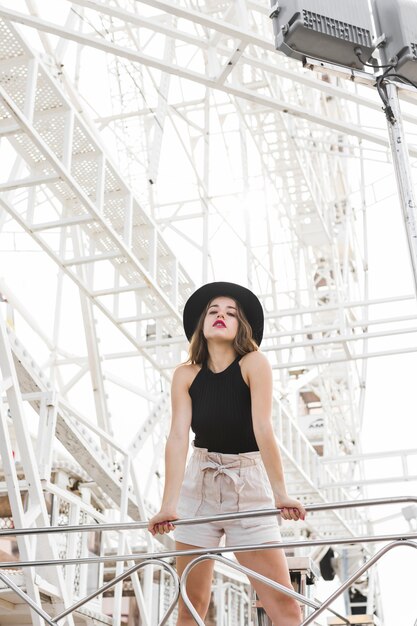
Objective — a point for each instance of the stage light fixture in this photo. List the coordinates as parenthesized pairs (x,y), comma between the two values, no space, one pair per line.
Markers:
(329,30)
(397,21)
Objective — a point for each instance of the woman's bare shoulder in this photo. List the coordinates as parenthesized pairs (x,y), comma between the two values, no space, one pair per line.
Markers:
(256,357)
(185,373)
(254,362)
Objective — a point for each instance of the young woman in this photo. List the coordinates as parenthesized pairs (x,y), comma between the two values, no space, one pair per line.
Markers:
(224,394)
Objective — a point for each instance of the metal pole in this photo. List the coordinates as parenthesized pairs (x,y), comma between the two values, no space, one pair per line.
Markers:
(403,173)
(282,545)
(311,508)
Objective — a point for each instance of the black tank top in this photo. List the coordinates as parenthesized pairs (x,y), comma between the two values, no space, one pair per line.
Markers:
(221,411)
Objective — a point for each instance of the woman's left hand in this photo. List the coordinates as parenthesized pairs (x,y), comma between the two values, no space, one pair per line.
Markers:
(291,509)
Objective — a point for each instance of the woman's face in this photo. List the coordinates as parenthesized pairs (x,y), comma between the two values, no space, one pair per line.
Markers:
(221,322)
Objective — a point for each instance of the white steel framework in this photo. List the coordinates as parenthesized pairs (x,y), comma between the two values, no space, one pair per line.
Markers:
(148,147)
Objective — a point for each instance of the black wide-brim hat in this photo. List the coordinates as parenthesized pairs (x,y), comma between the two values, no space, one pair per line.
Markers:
(250,304)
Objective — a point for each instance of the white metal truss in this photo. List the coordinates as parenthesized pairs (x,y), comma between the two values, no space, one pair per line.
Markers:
(92,201)
(221,29)
(194,74)
(37,513)
(107,465)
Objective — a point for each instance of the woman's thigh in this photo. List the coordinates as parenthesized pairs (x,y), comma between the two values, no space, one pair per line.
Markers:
(199,580)
(273,565)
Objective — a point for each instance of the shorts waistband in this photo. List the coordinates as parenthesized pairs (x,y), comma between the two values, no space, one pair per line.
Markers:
(243,459)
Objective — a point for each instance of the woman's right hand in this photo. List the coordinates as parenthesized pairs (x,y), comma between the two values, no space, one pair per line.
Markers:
(162,522)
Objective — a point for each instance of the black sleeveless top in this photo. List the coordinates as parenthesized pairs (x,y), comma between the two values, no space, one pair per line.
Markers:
(221,411)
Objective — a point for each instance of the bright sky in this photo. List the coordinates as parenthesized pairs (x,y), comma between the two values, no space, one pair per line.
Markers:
(390,412)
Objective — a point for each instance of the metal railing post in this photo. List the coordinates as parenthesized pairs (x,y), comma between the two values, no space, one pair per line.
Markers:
(355,576)
(24,596)
(123,576)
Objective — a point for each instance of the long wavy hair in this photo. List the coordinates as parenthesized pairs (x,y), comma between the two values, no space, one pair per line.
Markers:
(243,342)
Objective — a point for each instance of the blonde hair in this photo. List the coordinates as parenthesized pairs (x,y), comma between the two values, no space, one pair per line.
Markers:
(242,343)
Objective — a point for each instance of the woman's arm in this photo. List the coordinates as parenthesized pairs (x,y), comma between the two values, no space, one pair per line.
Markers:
(175,451)
(259,375)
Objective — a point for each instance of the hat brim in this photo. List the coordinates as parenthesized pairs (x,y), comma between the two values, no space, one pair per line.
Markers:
(250,304)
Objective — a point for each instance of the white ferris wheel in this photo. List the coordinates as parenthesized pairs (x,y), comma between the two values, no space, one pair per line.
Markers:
(148,147)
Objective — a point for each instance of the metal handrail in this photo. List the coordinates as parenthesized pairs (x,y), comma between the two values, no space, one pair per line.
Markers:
(319,608)
(355,576)
(121,577)
(312,508)
(248,572)
(200,551)
(207,553)
(54,622)
(39,610)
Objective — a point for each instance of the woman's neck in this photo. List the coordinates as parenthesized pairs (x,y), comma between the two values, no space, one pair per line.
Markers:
(220,357)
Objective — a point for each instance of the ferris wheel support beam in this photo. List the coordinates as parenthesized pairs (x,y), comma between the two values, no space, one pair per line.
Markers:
(94,295)
(129,258)
(249,38)
(330,360)
(36,512)
(16,506)
(160,116)
(403,174)
(92,342)
(95,215)
(239,91)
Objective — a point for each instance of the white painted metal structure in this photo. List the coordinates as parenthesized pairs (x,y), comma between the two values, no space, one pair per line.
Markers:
(148,147)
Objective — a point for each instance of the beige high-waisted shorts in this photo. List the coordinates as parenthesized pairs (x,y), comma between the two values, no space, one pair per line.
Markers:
(216,483)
